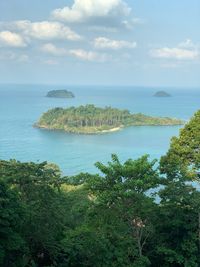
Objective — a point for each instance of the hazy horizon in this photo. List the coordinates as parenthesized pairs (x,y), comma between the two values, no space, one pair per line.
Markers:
(134,86)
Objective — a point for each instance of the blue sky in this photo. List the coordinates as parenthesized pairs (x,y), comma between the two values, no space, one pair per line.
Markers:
(109,42)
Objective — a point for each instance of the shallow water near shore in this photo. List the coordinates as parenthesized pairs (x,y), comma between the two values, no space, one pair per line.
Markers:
(22,105)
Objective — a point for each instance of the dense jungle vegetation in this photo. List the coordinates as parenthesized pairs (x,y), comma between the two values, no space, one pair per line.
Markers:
(60,94)
(134,214)
(91,119)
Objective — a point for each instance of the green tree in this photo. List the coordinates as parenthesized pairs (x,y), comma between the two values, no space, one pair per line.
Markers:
(121,217)
(180,199)
(38,190)
(12,244)
(177,226)
(184,153)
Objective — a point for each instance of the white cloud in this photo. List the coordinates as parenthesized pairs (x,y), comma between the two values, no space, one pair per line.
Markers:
(53,50)
(45,30)
(11,39)
(187,44)
(23,58)
(82,54)
(11,56)
(105,43)
(99,28)
(176,53)
(87,10)
(51,62)
(129,24)
(8,55)
(89,55)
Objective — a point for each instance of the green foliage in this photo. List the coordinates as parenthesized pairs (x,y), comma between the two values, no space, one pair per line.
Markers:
(183,155)
(37,188)
(121,211)
(178,225)
(179,211)
(12,245)
(60,94)
(91,119)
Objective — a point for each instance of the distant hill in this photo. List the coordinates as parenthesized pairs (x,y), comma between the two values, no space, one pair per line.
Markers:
(162,94)
(60,94)
(90,119)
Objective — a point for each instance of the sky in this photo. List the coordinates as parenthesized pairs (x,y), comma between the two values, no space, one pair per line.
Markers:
(100,42)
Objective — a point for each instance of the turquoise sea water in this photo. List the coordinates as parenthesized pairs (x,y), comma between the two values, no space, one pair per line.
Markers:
(22,105)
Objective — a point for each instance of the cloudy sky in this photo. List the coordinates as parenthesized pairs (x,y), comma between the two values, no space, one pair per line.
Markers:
(109,42)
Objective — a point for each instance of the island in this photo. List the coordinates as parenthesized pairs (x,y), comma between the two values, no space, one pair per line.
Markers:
(60,94)
(162,94)
(90,119)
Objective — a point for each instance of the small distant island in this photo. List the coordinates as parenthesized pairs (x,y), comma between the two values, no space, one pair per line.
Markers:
(60,94)
(93,120)
(162,94)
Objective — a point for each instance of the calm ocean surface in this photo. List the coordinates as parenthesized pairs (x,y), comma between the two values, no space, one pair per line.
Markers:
(22,105)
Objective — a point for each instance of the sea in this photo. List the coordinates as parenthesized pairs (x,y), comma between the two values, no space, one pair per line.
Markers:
(22,105)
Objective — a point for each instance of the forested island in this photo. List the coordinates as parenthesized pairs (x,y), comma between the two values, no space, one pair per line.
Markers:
(137,213)
(162,94)
(90,119)
(60,94)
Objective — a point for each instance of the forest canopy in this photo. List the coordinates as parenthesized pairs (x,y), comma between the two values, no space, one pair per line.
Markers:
(60,94)
(91,119)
